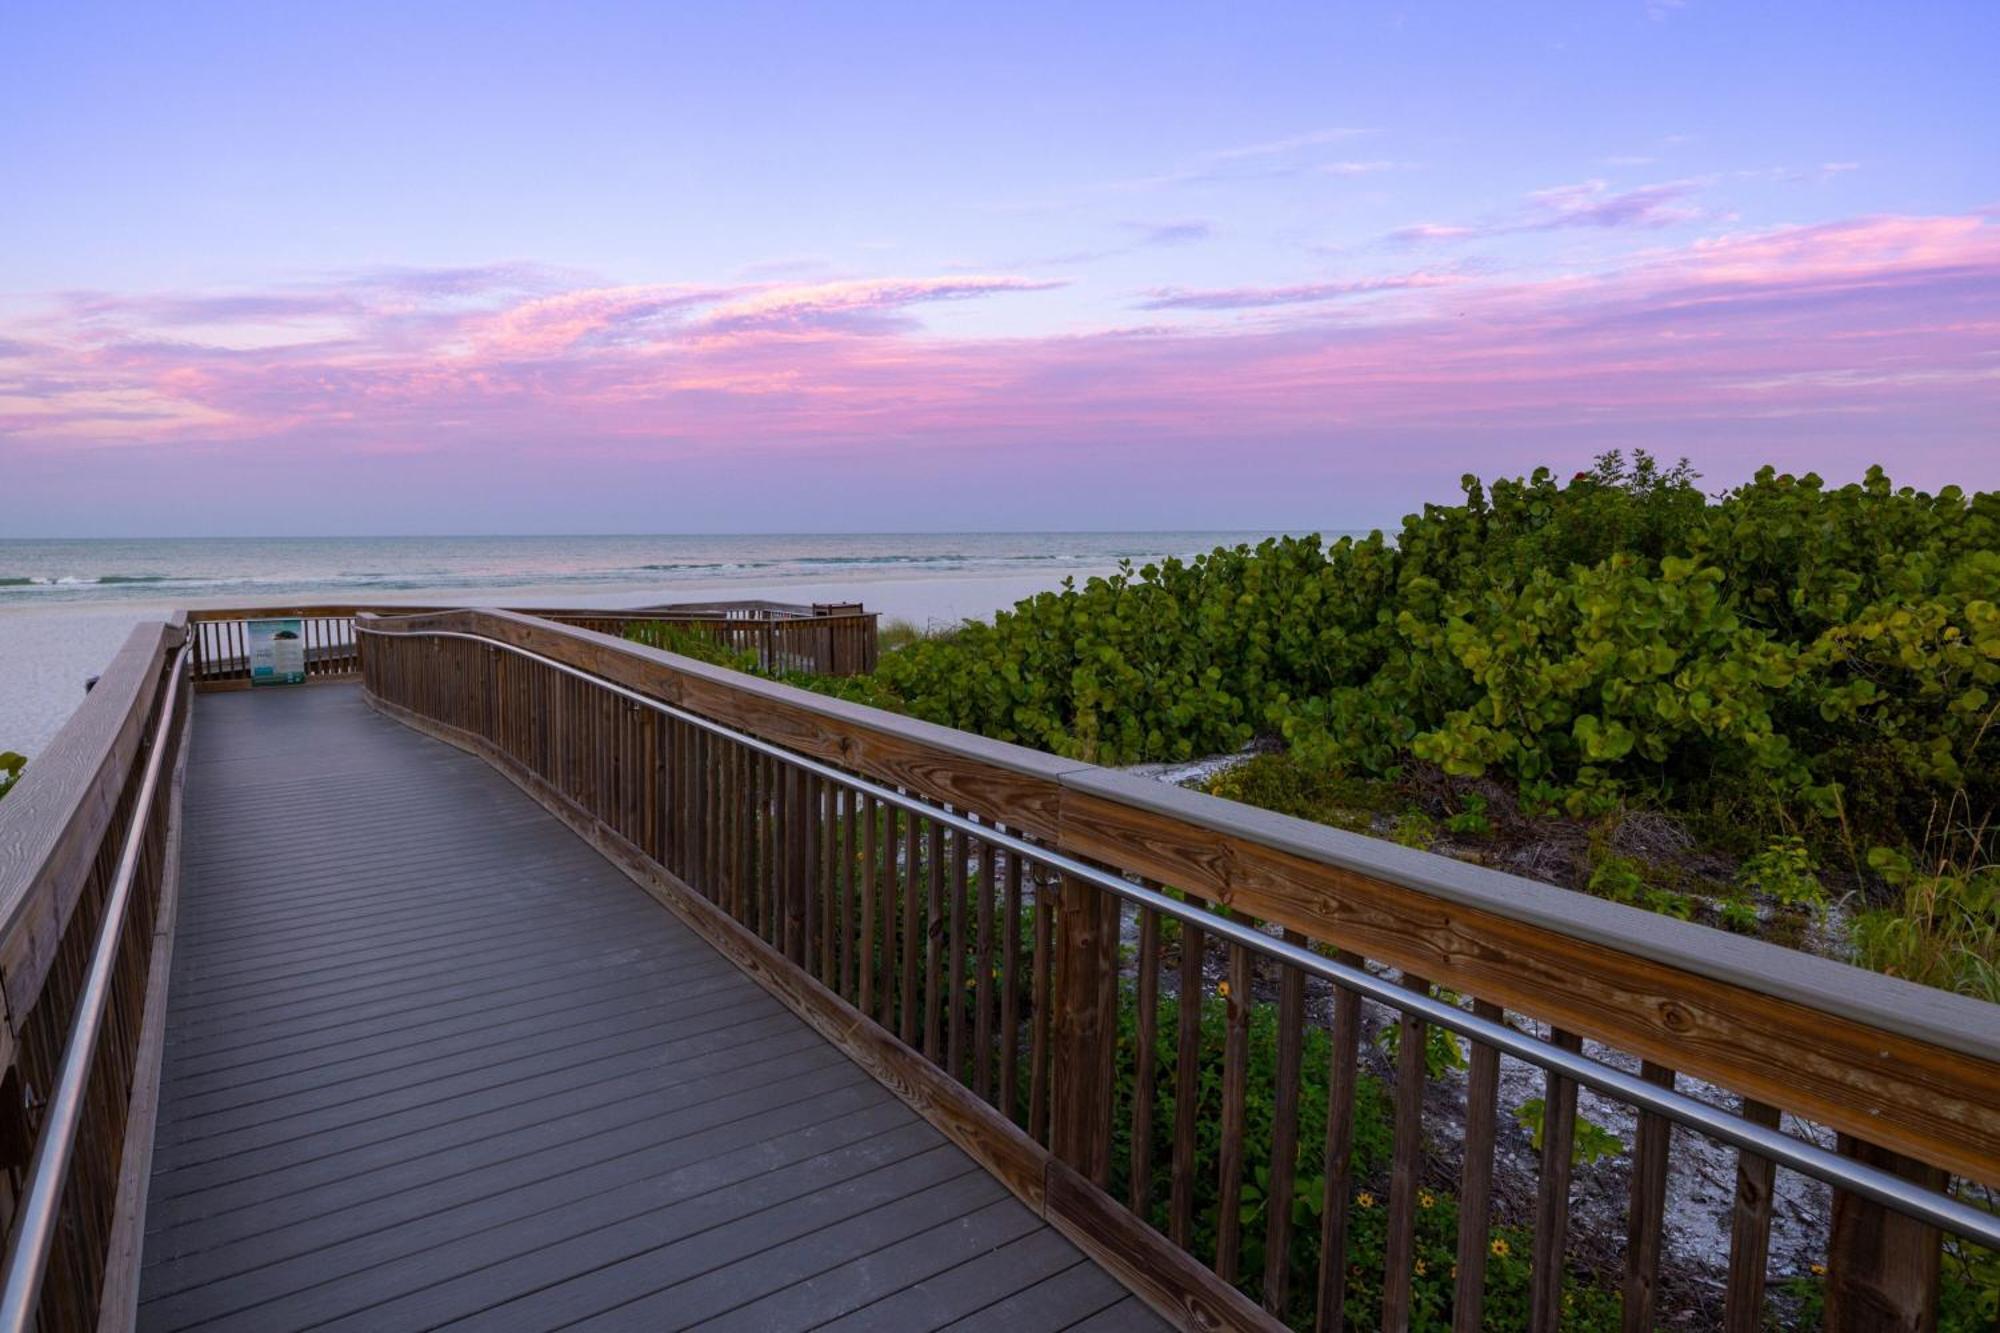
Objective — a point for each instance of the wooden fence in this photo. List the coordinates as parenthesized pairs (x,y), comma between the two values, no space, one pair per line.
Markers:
(813,640)
(1068,970)
(88,863)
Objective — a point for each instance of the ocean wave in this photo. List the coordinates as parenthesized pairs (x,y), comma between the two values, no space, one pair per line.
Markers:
(939,558)
(75,581)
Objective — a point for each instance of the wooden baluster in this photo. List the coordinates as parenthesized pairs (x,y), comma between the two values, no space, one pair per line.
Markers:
(742,812)
(826,809)
(799,869)
(1545,1282)
(935,943)
(954,1061)
(1187,1085)
(753,823)
(767,861)
(982,978)
(885,995)
(1881,1266)
(850,886)
(1406,1170)
(1110,932)
(914,927)
(714,801)
(1235,1080)
(1010,996)
(870,889)
(1144,1075)
(1337,1164)
(1750,1229)
(1284,1132)
(1080,1121)
(1475,1189)
(1042,1005)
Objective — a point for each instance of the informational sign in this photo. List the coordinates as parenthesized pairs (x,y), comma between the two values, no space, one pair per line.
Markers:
(277,652)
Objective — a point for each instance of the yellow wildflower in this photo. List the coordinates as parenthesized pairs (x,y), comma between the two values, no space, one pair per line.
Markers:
(1499,1247)
(1818,1270)
(1426,1199)
(1222,989)
(1365,1199)
(1420,1268)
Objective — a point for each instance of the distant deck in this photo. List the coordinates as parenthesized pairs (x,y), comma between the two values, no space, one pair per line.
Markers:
(431,1060)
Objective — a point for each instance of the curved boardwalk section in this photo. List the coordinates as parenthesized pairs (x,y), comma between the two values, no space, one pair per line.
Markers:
(433,1062)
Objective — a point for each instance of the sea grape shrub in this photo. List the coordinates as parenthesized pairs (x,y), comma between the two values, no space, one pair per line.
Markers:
(1782,659)
(1792,651)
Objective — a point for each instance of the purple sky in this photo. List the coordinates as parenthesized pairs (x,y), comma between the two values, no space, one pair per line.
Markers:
(413,268)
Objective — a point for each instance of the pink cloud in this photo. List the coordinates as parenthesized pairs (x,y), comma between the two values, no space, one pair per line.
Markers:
(1421,232)
(1309,293)
(818,303)
(1875,332)
(1590,203)
(1594,204)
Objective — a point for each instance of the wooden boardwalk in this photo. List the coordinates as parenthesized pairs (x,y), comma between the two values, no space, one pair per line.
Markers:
(432,1061)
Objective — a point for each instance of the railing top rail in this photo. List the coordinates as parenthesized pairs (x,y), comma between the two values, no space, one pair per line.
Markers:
(38,1216)
(51,824)
(769,612)
(1884,1186)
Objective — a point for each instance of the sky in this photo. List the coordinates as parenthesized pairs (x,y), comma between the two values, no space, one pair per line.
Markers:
(424,268)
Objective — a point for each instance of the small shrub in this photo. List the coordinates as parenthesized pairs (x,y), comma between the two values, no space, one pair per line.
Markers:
(1589,1142)
(1415,829)
(1738,916)
(1470,820)
(1945,928)
(1784,872)
(898,634)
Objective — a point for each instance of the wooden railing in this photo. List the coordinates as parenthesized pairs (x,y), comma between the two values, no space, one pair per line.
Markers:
(829,645)
(819,641)
(88,864)
(1067,970)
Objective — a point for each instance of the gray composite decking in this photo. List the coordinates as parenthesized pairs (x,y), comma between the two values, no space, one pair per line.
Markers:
(432,1061)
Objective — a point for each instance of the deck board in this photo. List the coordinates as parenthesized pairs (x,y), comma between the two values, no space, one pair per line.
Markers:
(432,1061)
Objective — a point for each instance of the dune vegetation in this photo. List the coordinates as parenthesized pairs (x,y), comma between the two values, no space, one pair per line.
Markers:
(1772,709)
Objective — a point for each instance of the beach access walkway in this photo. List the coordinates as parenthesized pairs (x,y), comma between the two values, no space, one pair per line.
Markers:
(385,968)
(432,1061)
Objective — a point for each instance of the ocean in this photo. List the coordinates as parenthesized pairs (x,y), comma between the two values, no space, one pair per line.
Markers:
(66,605)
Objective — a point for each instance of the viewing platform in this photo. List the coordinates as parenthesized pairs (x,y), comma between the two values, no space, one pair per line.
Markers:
(512,974)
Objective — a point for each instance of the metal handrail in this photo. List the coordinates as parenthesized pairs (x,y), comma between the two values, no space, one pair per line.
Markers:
(41,1195)
(1885,1187)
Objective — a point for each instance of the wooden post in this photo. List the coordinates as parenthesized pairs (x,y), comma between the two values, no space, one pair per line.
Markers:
(1080,1119)
(1881,1267)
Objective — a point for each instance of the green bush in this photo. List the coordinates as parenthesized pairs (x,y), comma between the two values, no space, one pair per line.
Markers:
(1834,651)
(11,765)
(1785,661)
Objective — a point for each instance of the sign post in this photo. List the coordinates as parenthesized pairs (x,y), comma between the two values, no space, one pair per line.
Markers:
(277,652)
